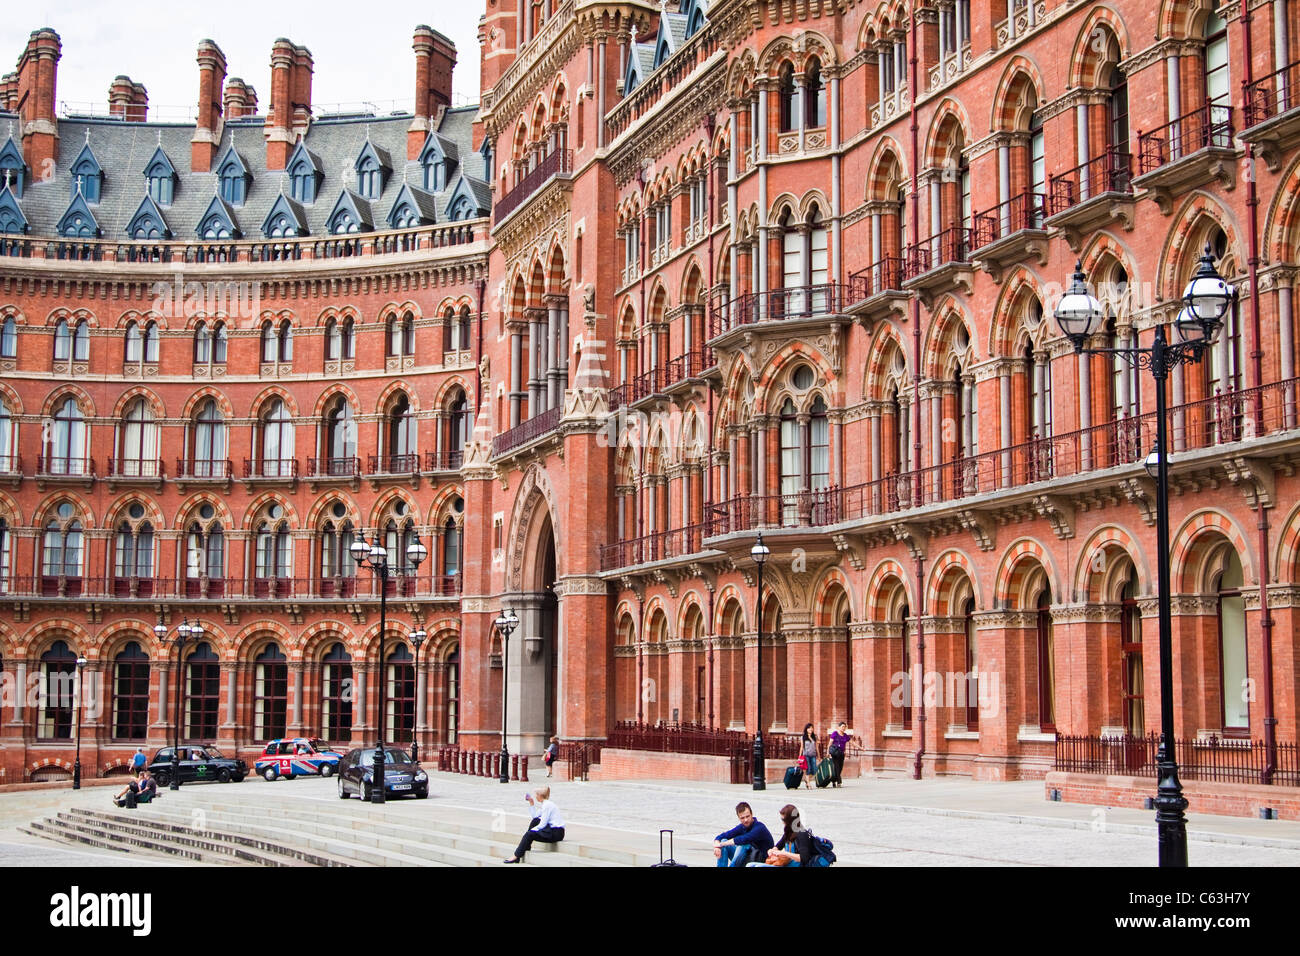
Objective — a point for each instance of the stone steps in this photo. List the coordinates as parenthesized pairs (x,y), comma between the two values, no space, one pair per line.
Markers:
(453,842)
(73,827)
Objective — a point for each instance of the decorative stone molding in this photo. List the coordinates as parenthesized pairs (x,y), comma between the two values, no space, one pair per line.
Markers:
(1005,619)
(580,585)
(1058,512)
(980,527)
(1141,492)
(1086,614)
(1253,478)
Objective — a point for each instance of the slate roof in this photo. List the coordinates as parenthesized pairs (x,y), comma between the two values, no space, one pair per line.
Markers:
(124,149)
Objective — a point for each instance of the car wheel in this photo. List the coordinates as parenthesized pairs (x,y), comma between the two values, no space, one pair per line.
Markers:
(269,774)
(223,775)
(237,778)
(343,793)
(326,770)
(422,794)
(163,778)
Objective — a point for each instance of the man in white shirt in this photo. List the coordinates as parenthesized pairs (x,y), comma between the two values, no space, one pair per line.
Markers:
(547,825)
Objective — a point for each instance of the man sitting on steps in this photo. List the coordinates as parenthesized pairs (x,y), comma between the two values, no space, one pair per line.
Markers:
(741,844)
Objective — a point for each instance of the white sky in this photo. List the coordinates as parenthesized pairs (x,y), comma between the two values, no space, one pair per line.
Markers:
(356,58)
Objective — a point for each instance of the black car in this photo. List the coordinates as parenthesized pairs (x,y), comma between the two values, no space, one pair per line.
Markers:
(402,776)
(197,763)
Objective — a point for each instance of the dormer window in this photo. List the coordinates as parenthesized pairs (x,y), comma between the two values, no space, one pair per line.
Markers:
(234,178)
(372,168)
(161,175)
(87,175)
(304,175)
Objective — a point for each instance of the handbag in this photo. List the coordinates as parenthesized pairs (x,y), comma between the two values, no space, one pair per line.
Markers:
(803,763)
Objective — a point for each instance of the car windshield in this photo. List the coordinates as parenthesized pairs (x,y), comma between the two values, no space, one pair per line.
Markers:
(390,756)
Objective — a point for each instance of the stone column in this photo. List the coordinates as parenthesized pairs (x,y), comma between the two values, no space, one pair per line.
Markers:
(516,373)
(1084,149)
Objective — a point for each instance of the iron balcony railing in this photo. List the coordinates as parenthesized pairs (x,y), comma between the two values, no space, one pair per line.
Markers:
(1204,127)
(1111,172)
(1273,95)
(950,245)
(443,460)
(775,305)
(135,468)
(271,468)
(198,468)
(883,275)
(11,465)
(1026,211)
(558,163)
(333,467)
(1216,420)
(59,466)
(393,464)
(525,432)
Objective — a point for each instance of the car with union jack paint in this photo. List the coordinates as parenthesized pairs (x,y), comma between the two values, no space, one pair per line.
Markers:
(296,757)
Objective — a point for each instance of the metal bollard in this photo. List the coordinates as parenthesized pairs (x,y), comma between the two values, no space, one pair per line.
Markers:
(523,770)
(514,766)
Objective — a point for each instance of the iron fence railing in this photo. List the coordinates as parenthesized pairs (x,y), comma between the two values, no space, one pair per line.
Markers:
(1273,95)
(1213,759)
(1111,172)
(1205,126)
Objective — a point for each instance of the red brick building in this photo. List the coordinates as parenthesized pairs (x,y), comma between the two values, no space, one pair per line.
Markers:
(754,266)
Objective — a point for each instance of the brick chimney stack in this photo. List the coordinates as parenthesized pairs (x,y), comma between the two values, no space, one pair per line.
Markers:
(35,87)
(128,100)
(240,99)
(290,112)
(435,58)
(207,131)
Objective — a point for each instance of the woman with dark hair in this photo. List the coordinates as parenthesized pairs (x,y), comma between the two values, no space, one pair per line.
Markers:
(809,755)
(839,744)
(796,847)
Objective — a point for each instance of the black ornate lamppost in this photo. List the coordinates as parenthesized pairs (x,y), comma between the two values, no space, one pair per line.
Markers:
(1206,302)
(185,632)
(760,553)
(76,764)
(417,638)
(375,557)
(506,622)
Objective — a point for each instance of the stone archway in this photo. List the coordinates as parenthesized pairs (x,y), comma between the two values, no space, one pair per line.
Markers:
(533,658)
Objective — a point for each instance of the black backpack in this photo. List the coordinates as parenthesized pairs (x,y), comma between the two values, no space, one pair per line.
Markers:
(824,848)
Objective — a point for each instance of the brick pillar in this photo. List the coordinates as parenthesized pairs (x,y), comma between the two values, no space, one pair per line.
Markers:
(207,128)
(279,119)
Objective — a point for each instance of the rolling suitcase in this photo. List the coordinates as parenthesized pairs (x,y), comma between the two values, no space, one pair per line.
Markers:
(669,861)
(793,777)
(825,772)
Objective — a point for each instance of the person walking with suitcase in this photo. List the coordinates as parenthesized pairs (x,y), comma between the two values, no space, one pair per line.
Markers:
(839,746)
(809,755)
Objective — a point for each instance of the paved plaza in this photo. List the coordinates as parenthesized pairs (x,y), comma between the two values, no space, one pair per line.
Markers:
(873,821)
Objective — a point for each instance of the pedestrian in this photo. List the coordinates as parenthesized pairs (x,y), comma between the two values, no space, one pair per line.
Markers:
(839,745)
(797,847)
(138,761)
(551,755)
(744,843)
(809,756)
(547,825)
(129,795)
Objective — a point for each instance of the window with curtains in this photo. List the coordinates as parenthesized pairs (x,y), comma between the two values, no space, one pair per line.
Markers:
(277,342)
(1117,135)
(340,341)
(401,335)
(1037,170)
(133,347)
(274,545)
(65,448)
(785,91)
(62,542)
(814,95)
(451,673)
(339,436)
(270,343)
(1233,673)
(134,554)
(458,425)
(130,719)
(137,446)
(270,692)
(1046,663)
(202,692)
(451,536)
(277,440)
(972,665)
(8,440)
(336,537)
(805,457)
(463,326)
(1218,81)
(336,694)
(399,533)
(202,344)
(400,434)
(205,546)
(208,441)
(6,547)
(58,686)
(71,342)
(9,338)
(1130,642)
(399,673)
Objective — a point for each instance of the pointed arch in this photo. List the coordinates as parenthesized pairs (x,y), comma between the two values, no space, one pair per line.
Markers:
(1011,99)
(1015,571)
(1097,558)
(1089,55)
(1188,229)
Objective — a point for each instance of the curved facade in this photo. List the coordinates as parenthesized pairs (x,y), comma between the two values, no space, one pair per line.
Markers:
(722,268)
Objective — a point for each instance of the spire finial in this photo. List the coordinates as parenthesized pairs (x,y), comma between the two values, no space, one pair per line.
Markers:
(78,185)
(87,135)
(159,136)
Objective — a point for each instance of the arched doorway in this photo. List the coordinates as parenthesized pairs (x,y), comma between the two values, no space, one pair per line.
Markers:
(533,659)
